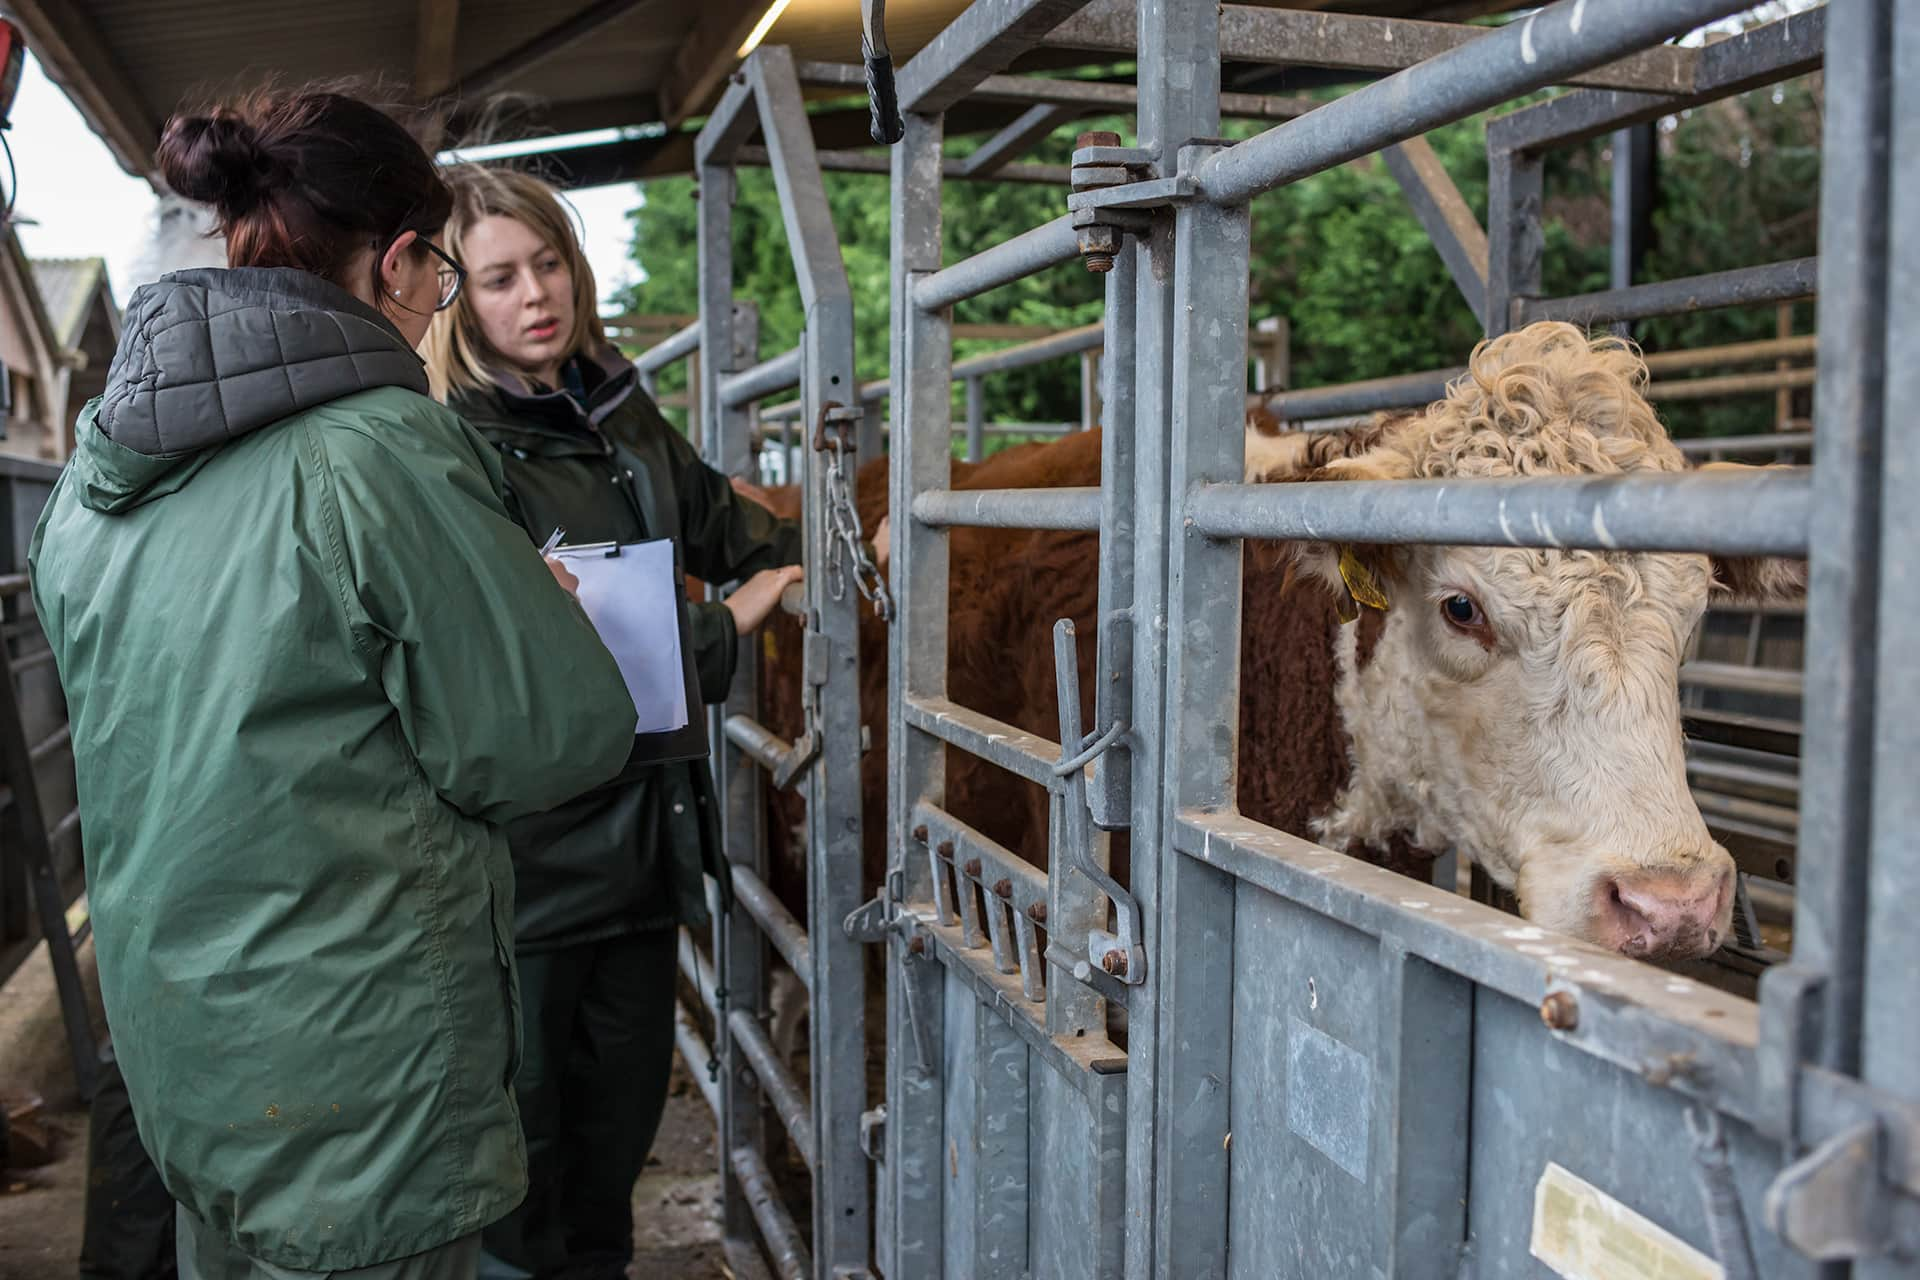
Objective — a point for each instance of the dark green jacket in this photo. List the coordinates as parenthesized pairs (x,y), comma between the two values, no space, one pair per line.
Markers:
(627,856)
(311,666)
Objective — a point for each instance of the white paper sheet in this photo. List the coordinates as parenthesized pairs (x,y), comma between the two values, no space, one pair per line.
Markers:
(631,600)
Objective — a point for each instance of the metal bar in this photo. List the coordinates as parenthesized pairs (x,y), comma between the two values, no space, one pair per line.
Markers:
(817,264)
(788,936)
(1732,385)
(1749,512)
(1781,442)
(1091,95)
(1026,884)
(1744,286)
(727,128)
(761,380)
(912,1179)
(1844,572)
(976,421)
(840,161)
(1548,47)
(1361,43)
(1444,212)
(1403,391)
(698,970)
(1516,239)
(1763,55)
(788,1251)
(1063,509)
(1732,677)
(663,353)
(695,1053)
(1068,342)
(1027,755)
(1730,353)
(782,1090)
(61,737)
(1033,127)
(1892,1004)
(760,744)
(1047,245)
(1631,204)
(982,40)
(1110,778)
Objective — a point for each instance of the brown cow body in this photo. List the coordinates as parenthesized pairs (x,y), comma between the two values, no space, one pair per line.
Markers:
(1007,588)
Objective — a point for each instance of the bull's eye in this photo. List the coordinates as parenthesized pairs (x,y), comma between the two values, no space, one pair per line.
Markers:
(1462,612)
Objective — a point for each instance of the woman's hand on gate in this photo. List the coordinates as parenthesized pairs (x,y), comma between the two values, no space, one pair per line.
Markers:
(882,536)
(757,596)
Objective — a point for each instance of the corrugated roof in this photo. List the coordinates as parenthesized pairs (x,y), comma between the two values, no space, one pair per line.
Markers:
(67,288)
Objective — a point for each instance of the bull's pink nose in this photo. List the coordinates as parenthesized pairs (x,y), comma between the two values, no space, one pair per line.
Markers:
(1666,913)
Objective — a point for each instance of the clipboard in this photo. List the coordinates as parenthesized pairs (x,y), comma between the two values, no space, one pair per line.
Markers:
(636,597)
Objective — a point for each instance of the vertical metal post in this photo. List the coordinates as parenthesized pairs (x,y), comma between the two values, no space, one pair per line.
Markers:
(976,422)
(1632,203)
(922,454)
(1892,988)
(1171,1233)
(740,950)
(1514,238)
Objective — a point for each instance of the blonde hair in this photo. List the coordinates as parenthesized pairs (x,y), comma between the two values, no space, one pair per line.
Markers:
(458,357)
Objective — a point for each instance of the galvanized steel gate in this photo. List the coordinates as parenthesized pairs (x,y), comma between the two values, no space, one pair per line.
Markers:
(1332,1070)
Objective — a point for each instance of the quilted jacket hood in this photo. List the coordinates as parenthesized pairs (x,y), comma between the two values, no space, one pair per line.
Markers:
(208,356)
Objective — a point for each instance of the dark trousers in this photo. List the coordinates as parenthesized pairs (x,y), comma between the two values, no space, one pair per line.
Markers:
(129,1215)
(598,1024)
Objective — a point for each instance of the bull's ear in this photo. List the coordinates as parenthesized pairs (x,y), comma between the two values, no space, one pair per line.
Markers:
(1759,579)
(1756,579)
(1359,575)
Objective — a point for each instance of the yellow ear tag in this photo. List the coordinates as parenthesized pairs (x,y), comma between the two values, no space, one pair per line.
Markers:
(1361,584)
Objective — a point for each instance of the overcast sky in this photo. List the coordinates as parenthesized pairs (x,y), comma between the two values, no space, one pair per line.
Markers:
(86,206)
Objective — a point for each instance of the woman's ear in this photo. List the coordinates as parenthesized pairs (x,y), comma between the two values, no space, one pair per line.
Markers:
(393,262)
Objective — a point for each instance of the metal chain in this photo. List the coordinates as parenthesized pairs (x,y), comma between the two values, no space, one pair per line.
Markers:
(846,541)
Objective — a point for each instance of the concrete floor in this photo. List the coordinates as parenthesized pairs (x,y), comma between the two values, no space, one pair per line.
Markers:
(676,1230)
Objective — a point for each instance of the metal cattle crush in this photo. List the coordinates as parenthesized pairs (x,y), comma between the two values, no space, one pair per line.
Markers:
(1329,1070)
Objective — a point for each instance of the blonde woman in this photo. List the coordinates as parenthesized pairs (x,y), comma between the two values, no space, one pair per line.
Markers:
(603,880)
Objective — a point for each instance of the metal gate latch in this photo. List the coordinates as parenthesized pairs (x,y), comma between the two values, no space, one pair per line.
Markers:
(1831,1204)
(1124,955)
(877,919)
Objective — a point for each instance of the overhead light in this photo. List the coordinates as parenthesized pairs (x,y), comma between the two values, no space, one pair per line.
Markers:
(760,28)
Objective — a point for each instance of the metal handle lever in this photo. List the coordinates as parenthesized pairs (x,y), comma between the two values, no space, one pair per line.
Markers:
(1124,955)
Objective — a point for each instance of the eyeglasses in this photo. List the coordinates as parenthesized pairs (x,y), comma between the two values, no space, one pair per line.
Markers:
(452,274)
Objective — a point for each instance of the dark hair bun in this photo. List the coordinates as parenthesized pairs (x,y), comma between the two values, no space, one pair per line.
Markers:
(217,160)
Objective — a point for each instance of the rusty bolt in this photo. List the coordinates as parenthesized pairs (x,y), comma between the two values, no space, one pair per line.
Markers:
(1037,913)
(1098,243)
(1560,1011)
(946,850)
(1115,963)
(920,834)
(917,946)
(1003,888)
(973,867)
(1096,138)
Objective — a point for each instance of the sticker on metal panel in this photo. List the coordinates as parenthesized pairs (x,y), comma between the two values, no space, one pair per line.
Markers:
(1582,1233)
(1329,1095)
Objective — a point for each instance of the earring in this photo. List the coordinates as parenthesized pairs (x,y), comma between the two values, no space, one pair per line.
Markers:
(396,293)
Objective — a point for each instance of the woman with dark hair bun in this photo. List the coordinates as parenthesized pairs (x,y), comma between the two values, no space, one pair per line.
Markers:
(312,668)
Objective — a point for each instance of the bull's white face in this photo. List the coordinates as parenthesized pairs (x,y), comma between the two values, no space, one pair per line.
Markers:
(1522,708)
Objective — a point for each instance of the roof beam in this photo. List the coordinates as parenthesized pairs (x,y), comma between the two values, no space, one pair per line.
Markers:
(1089,95)
(1289,37)
(517,61)
(982,40)
(1445,214)
(710,51)
(1033,127)
(75,57)
(433,45)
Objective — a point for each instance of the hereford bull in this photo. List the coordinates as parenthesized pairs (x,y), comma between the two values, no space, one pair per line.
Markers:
(1518,706)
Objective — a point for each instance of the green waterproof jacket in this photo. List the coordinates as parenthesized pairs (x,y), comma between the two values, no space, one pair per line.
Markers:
(311,669)
(605,465)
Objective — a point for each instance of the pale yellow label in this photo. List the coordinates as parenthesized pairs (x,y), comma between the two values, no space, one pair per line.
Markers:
(1582,1233)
